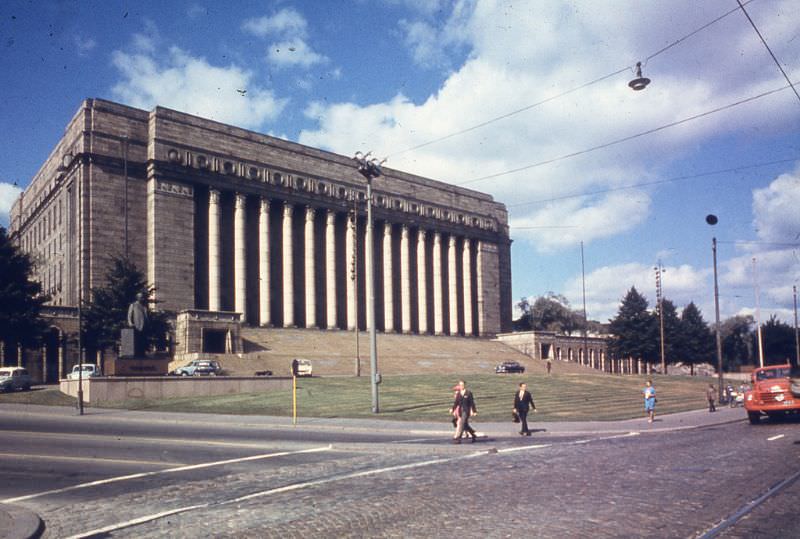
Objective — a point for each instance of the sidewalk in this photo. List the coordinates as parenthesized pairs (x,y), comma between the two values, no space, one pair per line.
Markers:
(670,422)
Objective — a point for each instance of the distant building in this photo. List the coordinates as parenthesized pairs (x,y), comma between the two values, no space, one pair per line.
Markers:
(222,219)
(591,351)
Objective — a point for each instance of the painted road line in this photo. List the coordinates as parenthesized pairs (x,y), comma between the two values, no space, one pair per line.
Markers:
(776,437)
(522,448)
(286,488)
(135,439)
(102,460)
(161,472)
(748,507)
(317,482)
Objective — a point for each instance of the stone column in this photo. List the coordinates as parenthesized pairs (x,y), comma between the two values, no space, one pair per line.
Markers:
(264,296)
(240,256)
(388,298)
(288,267)
(62,344)
(452,285)
(349,258)
(466,258)
(405,281)
(214,254)
(330,269)
(422,291)
(44,363)
(438,304)
(311,289)
(479,277)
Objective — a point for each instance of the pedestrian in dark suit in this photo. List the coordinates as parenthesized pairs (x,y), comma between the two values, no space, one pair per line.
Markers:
(523,401)
(464,406)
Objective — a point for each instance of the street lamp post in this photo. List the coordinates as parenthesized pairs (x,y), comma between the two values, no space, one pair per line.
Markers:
(370,169)
(716,315)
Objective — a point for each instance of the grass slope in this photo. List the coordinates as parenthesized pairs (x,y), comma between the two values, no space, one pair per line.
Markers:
(565,397)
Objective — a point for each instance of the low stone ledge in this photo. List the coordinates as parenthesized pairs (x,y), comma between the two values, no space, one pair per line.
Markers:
(107,389)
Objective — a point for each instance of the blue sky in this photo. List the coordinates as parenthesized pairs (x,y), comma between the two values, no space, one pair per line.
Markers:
(390,75)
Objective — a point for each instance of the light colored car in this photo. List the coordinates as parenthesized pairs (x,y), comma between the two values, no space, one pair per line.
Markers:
(84,370)
(199,367)
(303,367)
(14,378)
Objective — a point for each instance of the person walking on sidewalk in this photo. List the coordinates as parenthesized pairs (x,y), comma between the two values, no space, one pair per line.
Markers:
(523,401)
(464,405)
(711,395)
(649,401)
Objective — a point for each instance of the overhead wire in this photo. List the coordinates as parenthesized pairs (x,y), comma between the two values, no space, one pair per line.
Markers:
(769,50)
(564,93)
(655,182)
(625,139)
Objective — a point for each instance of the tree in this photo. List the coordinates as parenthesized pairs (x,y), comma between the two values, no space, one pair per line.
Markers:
(550,312)
(737,341)
(525,321)
(672,332)
(21,297)
(634,329)
(106,313)
(696,342)
(778,340)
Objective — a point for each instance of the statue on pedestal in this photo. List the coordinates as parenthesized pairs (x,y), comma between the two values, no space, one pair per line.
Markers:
(137,321)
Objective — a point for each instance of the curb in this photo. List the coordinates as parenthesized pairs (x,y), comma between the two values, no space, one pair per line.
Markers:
(19,523)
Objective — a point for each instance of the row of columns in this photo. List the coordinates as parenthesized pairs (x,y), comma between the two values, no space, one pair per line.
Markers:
(240,271)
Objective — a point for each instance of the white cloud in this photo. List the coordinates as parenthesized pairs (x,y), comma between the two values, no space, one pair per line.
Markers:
(606,286)
(614,214)
(776,209)
(84,45)
(191,84)
(289,31)
(196,10)
(287,21)
(517,54)
(295,52)
(8,194)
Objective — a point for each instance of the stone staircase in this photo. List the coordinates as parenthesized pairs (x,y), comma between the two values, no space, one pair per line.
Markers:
(334,352)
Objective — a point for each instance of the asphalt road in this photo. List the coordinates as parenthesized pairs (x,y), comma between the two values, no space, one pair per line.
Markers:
(120,474)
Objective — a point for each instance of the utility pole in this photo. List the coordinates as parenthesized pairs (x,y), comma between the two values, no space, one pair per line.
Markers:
(796,334)
(660,307)
(758,317)
(585,320)
(371,169)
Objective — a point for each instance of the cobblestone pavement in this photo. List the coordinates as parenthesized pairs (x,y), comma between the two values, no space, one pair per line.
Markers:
(660,484)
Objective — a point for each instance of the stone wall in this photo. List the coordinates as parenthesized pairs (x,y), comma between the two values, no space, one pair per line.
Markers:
(102,389)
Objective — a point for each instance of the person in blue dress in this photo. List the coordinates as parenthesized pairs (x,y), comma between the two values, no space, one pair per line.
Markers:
(649,401)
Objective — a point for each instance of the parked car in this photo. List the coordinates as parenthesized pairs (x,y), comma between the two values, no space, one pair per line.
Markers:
(508,367)
(199,367)
(14,378)
(772,393)
(84,370)
(301,367)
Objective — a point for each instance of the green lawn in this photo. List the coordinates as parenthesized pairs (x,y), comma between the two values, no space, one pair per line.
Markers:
(48,396)
(426,398)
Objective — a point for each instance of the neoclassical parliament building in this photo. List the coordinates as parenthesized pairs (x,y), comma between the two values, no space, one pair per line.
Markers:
(226,220)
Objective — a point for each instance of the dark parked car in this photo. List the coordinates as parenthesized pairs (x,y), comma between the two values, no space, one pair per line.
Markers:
(507,367)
